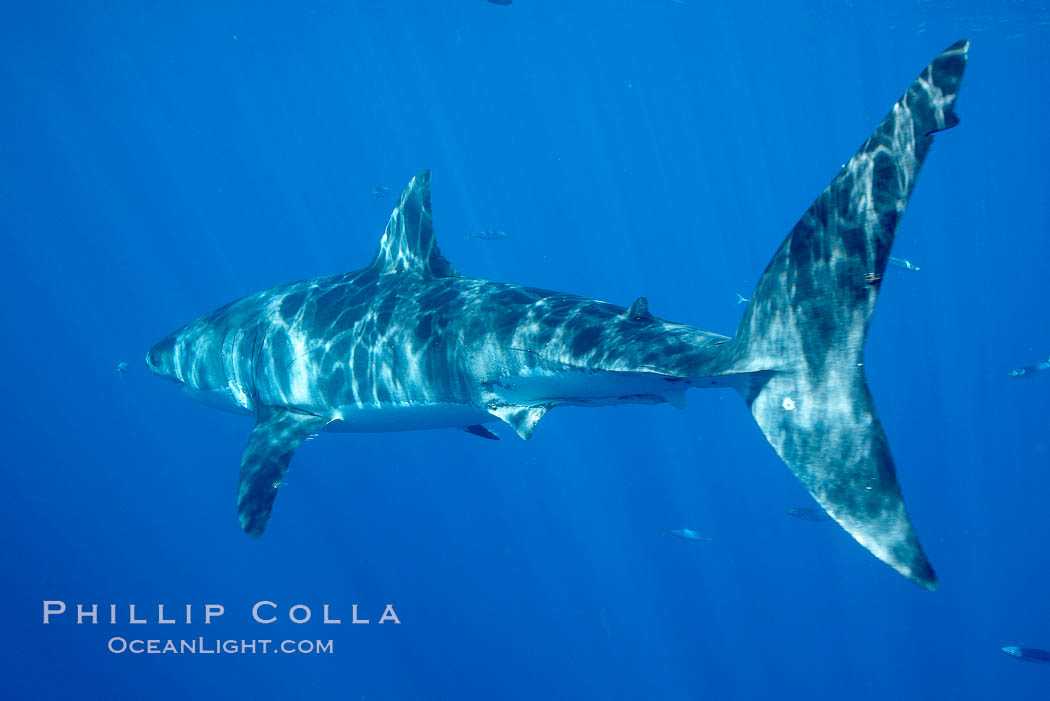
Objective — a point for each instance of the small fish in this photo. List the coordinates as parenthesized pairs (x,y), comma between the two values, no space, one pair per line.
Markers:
(741,299)
(501,2)
(380,192)
(903,263)
(488,235)
(1030,370)
(807,513)
(1028,654)
(689,534)
(122,368)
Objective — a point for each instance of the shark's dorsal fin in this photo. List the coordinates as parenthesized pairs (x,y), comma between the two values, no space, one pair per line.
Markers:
(408,244)
(639,310)
(275,437)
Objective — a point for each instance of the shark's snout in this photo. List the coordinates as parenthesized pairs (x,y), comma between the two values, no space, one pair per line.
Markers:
(161,359)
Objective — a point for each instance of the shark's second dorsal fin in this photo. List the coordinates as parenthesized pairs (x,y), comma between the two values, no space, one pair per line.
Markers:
(639,310)
(408,244)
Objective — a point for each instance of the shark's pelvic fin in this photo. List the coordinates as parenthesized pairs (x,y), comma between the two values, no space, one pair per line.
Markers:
(275,437)
(639,310)
(808,319)
(676,398)
(479,430)
(523,419)
(408,244)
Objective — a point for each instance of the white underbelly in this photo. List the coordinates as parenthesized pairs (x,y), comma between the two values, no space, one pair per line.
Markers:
(393,417)
(587,388)
(223,399)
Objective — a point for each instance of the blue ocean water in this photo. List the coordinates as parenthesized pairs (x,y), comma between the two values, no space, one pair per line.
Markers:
(160,159)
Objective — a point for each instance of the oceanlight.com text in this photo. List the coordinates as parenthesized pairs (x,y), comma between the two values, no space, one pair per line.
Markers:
(213,646)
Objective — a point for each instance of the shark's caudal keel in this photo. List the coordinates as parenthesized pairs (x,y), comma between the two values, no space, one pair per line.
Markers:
(408,343)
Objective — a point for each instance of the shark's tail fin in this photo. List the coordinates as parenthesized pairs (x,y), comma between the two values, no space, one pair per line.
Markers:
(802,336)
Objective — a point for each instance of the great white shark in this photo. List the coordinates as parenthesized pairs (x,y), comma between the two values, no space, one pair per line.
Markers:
(409,343)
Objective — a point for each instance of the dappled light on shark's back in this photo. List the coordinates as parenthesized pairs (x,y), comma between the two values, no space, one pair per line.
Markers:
(408,343)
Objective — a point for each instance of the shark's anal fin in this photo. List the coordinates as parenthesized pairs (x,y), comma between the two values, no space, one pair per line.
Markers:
(479,430)
(276,435)
(523,419)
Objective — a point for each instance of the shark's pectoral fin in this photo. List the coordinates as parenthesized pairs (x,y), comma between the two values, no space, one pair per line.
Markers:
(479,430)
(275,437)
(522,419)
